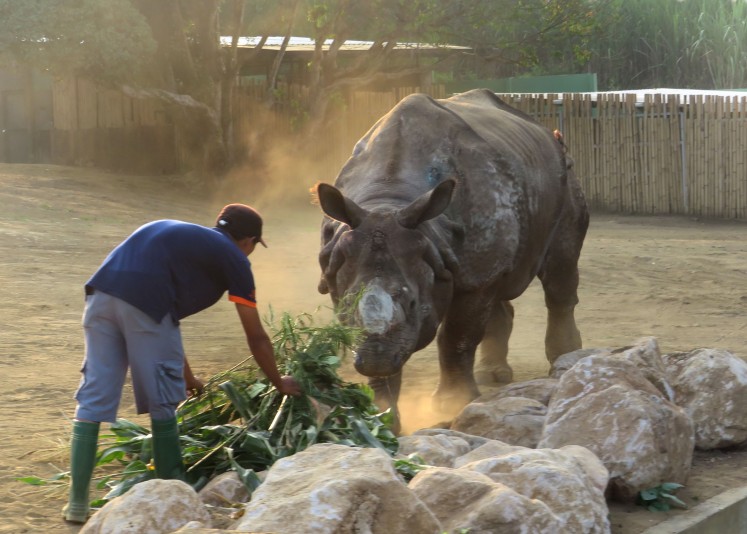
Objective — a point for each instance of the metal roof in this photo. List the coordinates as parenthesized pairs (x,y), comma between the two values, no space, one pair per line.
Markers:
(686,95)
(306,44)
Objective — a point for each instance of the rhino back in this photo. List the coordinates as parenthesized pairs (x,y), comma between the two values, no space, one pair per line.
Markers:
(510,173)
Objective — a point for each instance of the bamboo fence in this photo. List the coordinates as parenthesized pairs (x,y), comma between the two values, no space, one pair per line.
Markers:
(660,154)
(663,154)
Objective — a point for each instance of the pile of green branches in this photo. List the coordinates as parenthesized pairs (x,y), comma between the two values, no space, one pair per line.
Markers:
(241,422)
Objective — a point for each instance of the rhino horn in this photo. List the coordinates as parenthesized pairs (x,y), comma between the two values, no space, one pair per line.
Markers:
(427,206)
(338,207)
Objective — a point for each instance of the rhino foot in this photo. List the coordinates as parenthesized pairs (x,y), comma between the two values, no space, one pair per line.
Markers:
(449,402)
(494,377)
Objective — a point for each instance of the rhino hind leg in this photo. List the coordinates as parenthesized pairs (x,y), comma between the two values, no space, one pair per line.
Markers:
(559,276)
(562,334)
(492,366)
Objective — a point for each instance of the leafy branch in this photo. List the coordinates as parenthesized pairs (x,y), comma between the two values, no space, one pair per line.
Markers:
(240,422)
(661,498)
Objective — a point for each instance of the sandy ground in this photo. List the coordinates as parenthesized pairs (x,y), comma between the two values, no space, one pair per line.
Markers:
(681,280)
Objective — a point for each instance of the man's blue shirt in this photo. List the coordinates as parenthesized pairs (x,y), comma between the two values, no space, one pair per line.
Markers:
(177,268)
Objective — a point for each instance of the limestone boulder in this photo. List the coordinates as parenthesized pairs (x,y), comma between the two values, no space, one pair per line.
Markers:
(711,386)
(154,506)
(490,449)
(584,458)
(539,389)
(195,527)
(569,359)
(516,489)
(337,490)
(645,355)
(468,501)
(439,450)
(514,420)
(473,441)
(607,404)
(224,490)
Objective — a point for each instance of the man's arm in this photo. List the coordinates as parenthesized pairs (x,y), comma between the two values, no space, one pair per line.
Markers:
(193,385)
(261,347)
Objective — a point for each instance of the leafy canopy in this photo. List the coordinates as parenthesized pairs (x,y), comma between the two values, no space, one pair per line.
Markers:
(105,40)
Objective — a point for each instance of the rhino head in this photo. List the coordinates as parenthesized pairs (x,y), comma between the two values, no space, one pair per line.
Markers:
(385,274)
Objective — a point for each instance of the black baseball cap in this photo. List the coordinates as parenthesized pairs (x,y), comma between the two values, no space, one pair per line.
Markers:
(240,221)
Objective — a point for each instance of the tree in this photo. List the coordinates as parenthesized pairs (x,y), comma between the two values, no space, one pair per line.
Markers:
(503,36)
(104,40)
(171,49)
(168,49)
(676,43)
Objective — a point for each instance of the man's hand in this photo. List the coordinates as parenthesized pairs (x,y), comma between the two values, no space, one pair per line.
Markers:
(289,386)
(194,385)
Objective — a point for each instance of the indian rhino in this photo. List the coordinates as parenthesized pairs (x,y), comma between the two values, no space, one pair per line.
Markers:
(444,213)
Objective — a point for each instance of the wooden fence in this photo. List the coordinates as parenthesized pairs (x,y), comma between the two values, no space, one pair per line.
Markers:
(664,154)
(107,129)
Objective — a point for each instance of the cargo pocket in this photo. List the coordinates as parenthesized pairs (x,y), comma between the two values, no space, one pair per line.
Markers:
(171,383)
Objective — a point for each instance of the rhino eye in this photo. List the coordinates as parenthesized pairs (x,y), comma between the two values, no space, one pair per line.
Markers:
(328,232)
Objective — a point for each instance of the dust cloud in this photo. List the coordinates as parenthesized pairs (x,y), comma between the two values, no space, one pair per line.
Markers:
(276,180)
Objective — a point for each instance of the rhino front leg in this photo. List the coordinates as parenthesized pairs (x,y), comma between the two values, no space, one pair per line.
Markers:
(492,366)
(386,395)
(460,333)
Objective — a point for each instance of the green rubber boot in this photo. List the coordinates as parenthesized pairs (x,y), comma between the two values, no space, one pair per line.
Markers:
(83,446)
(167,454)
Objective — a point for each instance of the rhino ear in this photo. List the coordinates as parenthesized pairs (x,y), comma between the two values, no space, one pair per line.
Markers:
(427,206)
(338,207)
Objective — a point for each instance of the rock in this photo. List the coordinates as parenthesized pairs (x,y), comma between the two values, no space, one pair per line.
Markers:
(467,501)
(225,489)
(473,441)
(539,389)
(711,386)
(645,355)
(519,490)
(606,404)
(336,489)
(195,527)
(583,457)
(489,449)
(514,420)
(569,359)
(439,450)
(154,506)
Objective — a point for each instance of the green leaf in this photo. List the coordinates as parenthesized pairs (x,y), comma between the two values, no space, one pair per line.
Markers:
(675,500)
(367,439)
(237,400)
(671,486)
(658,506)
(34,481)
(247,476)
(125,428)
(214,440)
(122,487)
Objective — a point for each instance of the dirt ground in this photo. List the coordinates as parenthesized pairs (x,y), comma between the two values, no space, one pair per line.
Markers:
(681,280)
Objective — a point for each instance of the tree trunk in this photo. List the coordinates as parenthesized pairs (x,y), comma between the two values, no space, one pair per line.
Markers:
(190,78)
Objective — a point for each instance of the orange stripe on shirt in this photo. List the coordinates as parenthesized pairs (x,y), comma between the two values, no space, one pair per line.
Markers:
(239,300)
